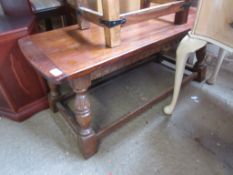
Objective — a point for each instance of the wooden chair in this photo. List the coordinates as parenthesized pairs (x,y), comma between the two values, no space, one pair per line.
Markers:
(112,14)
(48,9)
(214,24)
(22,91)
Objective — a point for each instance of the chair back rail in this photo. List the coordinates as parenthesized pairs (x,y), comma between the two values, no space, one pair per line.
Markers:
(111,18)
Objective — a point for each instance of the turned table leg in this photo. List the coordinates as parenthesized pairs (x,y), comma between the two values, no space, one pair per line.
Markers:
(87,137)
(200,67)
(187,45)
(53,95)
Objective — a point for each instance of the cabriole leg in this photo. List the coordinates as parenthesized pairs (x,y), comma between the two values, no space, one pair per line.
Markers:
(213,77)
(87,137)
(187,46)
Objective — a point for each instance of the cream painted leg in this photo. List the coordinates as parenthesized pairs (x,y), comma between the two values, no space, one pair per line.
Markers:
(186,46)
(221,55)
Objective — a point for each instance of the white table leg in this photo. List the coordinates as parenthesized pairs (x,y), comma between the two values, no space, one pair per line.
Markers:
(186,46)
(213,77)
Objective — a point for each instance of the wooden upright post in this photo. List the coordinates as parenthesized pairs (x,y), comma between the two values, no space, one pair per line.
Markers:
(87,138)
(111,12)
(83,24)
(145,4)
(53,95)
(181,17)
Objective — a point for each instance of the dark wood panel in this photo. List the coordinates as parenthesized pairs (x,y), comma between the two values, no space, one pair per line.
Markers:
(22,91)
(24,85)
(16,8)
(3,103)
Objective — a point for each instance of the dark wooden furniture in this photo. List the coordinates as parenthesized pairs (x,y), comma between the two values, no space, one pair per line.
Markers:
(19,8)
(22,91)
(46,10)
(80,56)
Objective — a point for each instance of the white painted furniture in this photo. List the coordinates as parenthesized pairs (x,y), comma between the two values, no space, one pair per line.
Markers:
(214,24)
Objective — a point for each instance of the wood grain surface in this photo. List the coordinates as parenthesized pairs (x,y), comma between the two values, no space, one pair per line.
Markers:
(74,53)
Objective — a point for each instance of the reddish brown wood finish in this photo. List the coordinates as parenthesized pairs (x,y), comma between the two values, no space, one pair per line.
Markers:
(79,56)
(181,17)
(22,91)
(83,116)
(79,52)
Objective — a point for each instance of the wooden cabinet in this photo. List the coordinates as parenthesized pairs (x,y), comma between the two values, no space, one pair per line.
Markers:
(22,91)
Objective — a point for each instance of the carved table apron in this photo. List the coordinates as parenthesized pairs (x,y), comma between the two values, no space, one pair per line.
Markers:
(78,57)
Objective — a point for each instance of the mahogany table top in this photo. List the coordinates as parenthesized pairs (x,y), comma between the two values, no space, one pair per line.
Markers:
(70,53)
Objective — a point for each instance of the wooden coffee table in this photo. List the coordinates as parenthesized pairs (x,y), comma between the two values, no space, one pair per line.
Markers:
(78,57)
